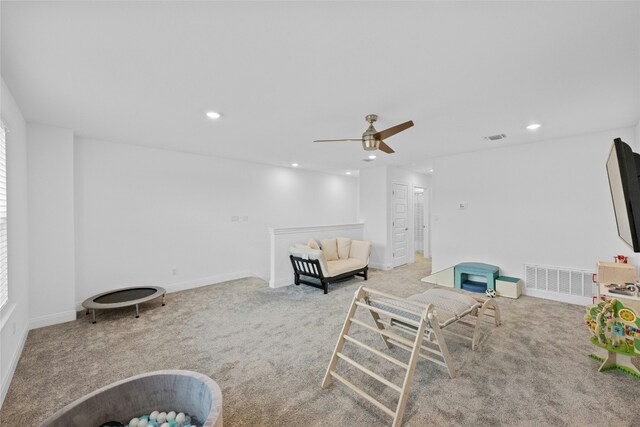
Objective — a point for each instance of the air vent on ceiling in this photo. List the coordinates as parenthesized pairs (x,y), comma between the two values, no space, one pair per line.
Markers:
(496,137)
(368,160)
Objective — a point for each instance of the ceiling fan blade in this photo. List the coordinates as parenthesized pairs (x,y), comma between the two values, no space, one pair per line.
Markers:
(384,147)
(384,134)
(338,140)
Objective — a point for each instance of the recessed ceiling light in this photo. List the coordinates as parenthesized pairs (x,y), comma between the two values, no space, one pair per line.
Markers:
(295,165)
(213,115)
(373,156)
(348,173)
(430,170)
(534,126)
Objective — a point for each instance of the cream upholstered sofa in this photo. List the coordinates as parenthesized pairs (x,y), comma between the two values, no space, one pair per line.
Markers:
(330,261)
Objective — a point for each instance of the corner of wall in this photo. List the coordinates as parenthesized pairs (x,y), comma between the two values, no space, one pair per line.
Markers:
(51,249)
(52,319)
(15,316)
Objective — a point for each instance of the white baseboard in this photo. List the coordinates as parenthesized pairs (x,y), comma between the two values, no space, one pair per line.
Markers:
(205,281)
(380,266)
(280,283)
(570,299)
(6,381)
(196,283)
(52,319)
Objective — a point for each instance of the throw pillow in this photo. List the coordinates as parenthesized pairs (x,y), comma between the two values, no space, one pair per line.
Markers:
(329,249)
(313,244)
(344,247)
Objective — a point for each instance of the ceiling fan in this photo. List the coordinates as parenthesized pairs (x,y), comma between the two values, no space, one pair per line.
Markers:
(371,138)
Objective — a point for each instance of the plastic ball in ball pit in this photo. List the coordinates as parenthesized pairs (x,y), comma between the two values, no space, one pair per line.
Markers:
(157,419)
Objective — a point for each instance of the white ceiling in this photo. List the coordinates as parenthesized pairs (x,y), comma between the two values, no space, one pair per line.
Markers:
(284,74)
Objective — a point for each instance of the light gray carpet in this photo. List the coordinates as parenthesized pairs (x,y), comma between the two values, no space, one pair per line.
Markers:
(268,350)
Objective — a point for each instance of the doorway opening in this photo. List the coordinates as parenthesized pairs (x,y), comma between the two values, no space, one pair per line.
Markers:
(422,235)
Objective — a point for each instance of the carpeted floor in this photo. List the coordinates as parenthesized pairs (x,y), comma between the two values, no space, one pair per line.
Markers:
(268,350)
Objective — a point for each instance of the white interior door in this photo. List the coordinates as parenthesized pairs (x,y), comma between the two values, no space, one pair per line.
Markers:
(399,225)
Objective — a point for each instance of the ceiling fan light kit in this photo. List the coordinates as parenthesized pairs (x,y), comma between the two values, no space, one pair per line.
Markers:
(372,139)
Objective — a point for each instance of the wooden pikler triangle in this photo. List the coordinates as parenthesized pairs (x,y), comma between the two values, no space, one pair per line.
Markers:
(427,343)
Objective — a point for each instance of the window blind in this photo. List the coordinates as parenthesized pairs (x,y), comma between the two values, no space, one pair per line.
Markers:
(4,276)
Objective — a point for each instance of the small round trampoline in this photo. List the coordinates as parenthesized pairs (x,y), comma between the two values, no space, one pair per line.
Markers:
(125,297)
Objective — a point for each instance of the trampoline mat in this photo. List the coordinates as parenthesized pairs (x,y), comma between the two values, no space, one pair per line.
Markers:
(125,295)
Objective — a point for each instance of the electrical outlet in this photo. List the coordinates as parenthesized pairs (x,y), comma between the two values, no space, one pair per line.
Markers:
(462,205)
(174,271)
(235,218)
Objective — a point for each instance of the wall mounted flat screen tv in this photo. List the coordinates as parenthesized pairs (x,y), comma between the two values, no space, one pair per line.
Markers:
(623,166)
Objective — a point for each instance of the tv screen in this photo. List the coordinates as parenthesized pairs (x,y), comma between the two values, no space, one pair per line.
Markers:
(622,168)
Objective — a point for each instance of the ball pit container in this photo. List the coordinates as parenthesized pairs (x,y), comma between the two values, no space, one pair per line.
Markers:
(184,391)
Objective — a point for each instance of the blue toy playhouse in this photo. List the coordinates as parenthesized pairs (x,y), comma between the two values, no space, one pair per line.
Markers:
(463,270)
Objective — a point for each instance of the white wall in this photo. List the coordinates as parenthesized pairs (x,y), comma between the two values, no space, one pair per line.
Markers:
(141,213)
(14,317)
(374,213)
(51,225)
(546,203)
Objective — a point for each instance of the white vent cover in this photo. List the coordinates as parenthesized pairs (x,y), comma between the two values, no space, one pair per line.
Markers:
(560,280)
(495,137)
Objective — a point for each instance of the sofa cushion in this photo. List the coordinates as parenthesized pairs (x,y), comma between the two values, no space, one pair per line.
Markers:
(344,247)
(305,252)
(340,266)
(313,244)
(330,249)
(360,249)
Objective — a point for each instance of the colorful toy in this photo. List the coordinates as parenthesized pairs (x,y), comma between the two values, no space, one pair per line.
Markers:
(621,259)
(463,270)
(615,328)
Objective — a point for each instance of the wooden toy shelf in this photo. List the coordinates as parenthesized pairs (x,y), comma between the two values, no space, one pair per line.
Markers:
(632,301)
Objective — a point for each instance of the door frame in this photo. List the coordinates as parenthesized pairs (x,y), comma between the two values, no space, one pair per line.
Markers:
(415,194)
(427,223)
